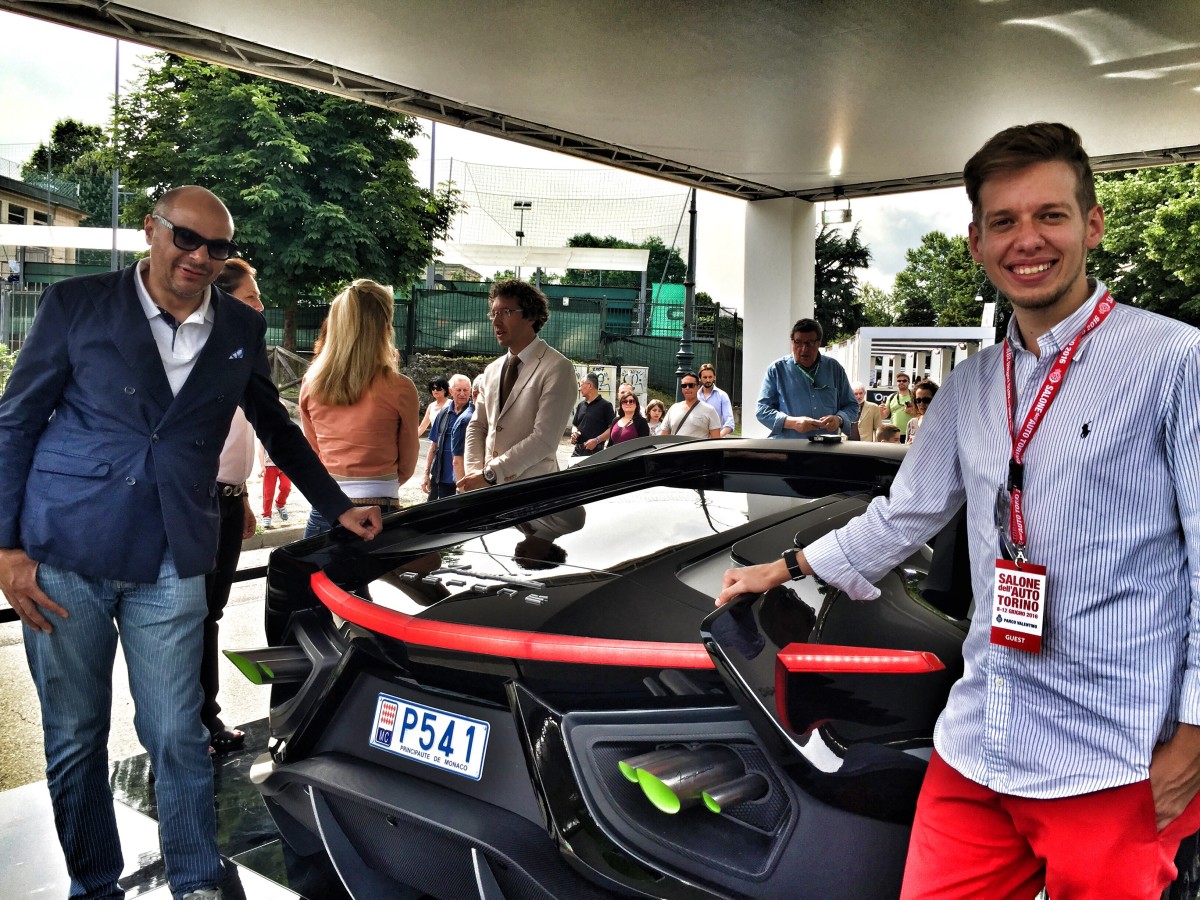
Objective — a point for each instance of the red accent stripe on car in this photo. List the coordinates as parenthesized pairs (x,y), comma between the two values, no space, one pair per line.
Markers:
(834,658)
(561,648)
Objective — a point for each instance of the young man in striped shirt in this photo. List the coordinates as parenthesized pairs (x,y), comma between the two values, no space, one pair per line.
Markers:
(1068,754)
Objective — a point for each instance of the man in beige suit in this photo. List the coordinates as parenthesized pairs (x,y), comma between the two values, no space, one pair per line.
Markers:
(527,397)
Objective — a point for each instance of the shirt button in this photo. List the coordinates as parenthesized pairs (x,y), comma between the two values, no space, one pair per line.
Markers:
(131,480)
(999,681)
(154,438)
(130,390)
(199,442)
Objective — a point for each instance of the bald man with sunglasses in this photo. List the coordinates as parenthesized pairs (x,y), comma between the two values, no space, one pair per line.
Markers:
(111,430)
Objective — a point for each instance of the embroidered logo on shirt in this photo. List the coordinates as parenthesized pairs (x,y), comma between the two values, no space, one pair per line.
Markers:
(1086,429)
(238,353)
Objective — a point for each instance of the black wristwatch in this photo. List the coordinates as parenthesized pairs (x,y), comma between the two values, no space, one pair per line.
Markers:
(792,562)
(489,475)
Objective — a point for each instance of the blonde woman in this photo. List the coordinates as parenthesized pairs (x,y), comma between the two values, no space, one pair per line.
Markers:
(358,412)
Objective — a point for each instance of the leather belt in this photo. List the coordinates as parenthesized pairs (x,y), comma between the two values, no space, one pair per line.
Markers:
(232,490)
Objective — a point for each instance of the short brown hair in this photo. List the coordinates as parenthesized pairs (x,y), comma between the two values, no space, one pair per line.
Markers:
(234,273)
(533,303)
(809,326)
(1021,146)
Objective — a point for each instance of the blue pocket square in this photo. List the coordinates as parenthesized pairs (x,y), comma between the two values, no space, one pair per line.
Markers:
(238,353)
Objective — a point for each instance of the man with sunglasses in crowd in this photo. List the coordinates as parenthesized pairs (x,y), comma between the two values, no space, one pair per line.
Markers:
(805,394)
(111,430)
(691,416)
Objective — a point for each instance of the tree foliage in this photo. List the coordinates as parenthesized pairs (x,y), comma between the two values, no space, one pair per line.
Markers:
(77,155)
(1150,256)
(879,308)
(939,284)
(838,308)
(662,259)
(319,187)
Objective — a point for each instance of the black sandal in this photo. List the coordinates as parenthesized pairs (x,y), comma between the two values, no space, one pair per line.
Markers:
(227,740)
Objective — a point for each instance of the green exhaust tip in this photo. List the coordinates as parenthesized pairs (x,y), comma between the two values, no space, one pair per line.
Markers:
(712,804)
(253,671)
(663,798)
(628,771)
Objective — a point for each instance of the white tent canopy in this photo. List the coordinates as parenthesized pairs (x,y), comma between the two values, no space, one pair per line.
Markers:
(129,239)
(479,256)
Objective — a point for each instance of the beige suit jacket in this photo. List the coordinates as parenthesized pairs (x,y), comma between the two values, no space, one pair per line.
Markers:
(522,440)
(869,421)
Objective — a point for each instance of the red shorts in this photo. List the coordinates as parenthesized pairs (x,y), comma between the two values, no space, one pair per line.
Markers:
(969,841)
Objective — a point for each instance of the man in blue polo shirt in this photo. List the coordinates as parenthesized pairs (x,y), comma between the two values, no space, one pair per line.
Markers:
(805,394)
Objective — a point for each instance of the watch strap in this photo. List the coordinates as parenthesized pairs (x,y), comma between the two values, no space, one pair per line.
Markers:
(792,561)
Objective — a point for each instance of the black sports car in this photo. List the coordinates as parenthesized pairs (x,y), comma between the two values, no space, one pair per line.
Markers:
(526,692)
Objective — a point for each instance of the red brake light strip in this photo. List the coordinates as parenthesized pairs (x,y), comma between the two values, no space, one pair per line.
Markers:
(833,658)
(507,642)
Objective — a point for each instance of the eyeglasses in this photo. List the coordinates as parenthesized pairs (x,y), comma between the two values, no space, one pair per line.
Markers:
(923,401)
(796,343)
(502,312)
(687,384)
(188,240)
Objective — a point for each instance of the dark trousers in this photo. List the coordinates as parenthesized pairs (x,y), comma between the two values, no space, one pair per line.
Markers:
(217,585)
(438,490)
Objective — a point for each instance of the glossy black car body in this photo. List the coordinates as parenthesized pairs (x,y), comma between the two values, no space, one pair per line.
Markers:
(595,643)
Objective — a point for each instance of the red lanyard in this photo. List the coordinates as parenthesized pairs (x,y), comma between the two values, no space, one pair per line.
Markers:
(1041,404)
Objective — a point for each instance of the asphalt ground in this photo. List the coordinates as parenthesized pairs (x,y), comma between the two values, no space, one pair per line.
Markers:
(22,760)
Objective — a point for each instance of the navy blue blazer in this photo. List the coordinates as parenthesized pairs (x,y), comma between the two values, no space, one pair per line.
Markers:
(101,468)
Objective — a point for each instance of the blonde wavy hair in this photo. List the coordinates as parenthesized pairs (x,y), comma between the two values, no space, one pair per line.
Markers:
(356,345)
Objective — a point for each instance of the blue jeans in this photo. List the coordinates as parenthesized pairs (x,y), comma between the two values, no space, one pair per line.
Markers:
(161,630)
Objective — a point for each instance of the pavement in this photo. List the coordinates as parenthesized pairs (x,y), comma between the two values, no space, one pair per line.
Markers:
(21,758)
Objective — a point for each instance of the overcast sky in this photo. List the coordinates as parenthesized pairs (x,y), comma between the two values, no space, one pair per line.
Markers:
(49,72)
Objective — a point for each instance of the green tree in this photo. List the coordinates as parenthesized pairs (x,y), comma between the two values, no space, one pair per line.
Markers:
(320,187)
(836,290)
(939,283)
(879,308)
(1150,255)
(77,160)
(662,259)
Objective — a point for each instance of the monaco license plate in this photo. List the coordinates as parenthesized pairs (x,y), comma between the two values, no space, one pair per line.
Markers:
(431,736)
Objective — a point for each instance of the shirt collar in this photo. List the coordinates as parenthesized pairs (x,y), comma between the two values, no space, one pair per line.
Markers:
(1052,342)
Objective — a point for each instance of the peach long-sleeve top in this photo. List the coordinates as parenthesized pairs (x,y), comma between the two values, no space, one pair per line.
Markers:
(372,439)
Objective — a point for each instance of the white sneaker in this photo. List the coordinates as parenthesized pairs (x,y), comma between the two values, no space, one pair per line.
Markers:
(283,513)
(203,894)
(266,522)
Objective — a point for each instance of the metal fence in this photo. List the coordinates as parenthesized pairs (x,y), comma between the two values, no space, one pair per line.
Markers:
(615,330)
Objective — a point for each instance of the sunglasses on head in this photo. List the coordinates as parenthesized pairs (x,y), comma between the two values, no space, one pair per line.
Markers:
(187,240)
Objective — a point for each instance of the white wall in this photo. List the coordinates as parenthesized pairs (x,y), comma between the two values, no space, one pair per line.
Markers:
(779,278)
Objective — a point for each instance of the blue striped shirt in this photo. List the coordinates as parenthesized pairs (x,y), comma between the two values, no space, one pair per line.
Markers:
(1112,503)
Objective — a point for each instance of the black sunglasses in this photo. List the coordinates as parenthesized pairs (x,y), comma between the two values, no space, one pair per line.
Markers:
(628,400)
(688,384)
(188,240)
(924,401)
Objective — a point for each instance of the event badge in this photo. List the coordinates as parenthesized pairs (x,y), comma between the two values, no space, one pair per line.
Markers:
(1019,610)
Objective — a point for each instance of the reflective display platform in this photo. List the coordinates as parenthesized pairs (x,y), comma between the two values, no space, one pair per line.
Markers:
(259,866)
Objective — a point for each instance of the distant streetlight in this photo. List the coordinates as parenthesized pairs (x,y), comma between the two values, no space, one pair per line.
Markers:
(521,205)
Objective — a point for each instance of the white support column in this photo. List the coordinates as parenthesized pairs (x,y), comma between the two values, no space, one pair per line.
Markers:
(780,254)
